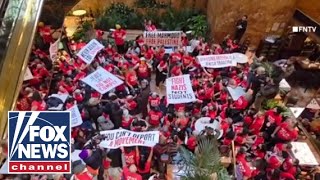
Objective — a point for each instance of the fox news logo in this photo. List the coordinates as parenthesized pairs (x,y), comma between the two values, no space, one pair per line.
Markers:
(39,142)
(304,29)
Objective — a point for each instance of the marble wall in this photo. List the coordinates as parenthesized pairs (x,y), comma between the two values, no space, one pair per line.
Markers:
(264,17)
(310,8)
(100,5)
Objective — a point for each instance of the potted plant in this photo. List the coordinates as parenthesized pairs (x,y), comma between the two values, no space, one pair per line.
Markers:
(205,163)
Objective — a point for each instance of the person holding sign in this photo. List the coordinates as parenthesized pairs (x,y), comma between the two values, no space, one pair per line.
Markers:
(119,36)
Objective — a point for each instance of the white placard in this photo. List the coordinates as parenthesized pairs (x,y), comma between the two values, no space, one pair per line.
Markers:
(28,75)
(162,38)
(53,50)
(303,153)
(102,81)
(313,104)
(284,85)
(240,58)
(169,50)
(62,97)
(179,90)
(76,119)
(235,93)
(204,122)
(4,168)
(75,156)
(114,139)
(89,51)
(296,111)
(217,61)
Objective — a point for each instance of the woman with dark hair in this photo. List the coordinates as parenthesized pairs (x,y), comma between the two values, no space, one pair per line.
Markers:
(38,104)
(144,163)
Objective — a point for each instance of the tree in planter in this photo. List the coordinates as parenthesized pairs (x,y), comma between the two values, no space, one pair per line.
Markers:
(198,25)
(205,163)
(176,20)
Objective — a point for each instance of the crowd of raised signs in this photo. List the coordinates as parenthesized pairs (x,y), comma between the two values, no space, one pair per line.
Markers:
(107,88)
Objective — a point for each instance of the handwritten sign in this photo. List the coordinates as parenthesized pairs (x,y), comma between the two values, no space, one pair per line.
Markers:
(303,153)
(236,93)
(162,38)
(89,51)
(102,81)
(313,104)
(53,50)
(179,90)
(76,119)
(28,75)
(114,139)
(217,61)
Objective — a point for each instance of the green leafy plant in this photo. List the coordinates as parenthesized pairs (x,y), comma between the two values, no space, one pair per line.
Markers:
(119,13)
(198,25)
(150,4)
(176,19)
(205,163)
(82,31)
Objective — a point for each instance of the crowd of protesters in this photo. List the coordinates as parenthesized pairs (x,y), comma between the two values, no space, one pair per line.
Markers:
(261,136)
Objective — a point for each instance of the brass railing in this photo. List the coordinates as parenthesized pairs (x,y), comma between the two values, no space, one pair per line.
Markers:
(24,16)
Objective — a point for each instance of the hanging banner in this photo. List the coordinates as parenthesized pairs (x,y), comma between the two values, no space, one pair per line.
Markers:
(76,119)
(296,111)
(162,38)
(114,139)
(89,51)
(28,75)
(217,61)
(53,50)
(313,104)
(102,81)
(179,90)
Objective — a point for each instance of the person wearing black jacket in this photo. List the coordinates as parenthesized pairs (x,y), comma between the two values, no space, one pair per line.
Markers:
(241,28)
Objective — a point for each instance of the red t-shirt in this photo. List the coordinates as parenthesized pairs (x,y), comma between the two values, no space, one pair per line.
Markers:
(285,133)
(187,60)
(130,157)
(143,71)
(125,123)
(192,143)
(118,36)
(154,118)
(248,120)
(40,105)
(278,148)
(176,71)
(175,57)
(131,176)
(132,105)
(132,79)
(257,125)
(241,103)
(286,176)
(243,165)
(146,169)
(154,102)
(273,117)
(274,162)
(78,97)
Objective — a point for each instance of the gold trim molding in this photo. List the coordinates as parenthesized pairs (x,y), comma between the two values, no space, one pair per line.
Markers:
(16,59)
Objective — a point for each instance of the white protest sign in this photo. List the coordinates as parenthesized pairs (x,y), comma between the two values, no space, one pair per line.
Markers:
(162,38)
(89,51)
(76,119)
(179,90)
(114,139)
(217,61)
(303,153)
(102,81)
(5,167)
(235,93)
(53,50)
(240,58)
(284,85)
(313,104)
(296,111)
(28,75)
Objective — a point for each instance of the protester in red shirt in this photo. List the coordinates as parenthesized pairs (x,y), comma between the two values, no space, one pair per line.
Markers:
(243,164)
(143,69)
(285,132)
(154,117)
(154,100)
(131,79)
(126,120)
(257,123)
(274,116)
(131,105)
(99,34)
(149,26)
(131,173)
(176,70)
(119,36)
(144,163)
(129,154)
(192,142)
(38,104)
